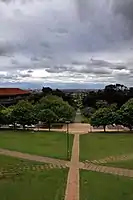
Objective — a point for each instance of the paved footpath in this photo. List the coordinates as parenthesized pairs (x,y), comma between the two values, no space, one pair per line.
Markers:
(111,159)
(72,188)
(108,170)
(41,159)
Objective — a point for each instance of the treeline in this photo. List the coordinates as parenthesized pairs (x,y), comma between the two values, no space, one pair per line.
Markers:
(35,97)
(111,115)
(48,109)
(118,94)
(111,106)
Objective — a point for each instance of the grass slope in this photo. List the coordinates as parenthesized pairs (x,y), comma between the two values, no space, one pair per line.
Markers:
(126,164)
(31,185)
(51,144)
(99,186)
(97,145)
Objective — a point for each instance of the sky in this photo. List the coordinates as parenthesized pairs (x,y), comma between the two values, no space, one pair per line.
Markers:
(66,44)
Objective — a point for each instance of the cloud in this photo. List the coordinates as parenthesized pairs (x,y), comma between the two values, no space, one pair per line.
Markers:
(71,42)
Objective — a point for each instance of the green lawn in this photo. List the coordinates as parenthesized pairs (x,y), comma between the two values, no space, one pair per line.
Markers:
(52,144)
(31,185)
(100,145)
(10,163)
(99,186)
(127,164)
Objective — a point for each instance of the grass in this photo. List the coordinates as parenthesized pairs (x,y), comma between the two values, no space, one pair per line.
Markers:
(13,164)
(7,162)
(100,145)
(126,164)
(95,186)
(32,185)
(51,144)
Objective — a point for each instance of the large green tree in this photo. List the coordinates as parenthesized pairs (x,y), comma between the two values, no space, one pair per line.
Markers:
(103,117)
(56,104)
(8,117)
(23,114)
(88,111)
(47,116)
(2,117)
(126,114)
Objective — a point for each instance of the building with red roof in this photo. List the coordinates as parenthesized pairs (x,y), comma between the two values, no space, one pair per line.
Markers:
(9,96)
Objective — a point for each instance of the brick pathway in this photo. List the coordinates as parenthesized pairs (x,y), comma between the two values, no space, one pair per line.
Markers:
(42,159)
(72,188)
(108,170)
(111,159)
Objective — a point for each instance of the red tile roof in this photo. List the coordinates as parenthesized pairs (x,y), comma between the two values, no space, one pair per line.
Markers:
(12,91)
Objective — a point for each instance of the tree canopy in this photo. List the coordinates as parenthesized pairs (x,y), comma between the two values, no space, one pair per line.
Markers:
(56,104)
(103,117)
(126,114)
(47,116)
(23,114)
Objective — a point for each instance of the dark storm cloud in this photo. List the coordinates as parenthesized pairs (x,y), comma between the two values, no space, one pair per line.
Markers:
(92,66)
(125,9)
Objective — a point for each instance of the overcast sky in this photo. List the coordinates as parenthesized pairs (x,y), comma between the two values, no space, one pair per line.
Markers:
(66,44)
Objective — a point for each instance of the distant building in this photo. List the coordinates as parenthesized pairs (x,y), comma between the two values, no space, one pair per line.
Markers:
(10,96)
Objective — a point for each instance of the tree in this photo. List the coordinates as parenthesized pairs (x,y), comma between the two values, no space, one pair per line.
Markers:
(46,90)
(116,94)
(47,116)
(102,117)
(90,99)
(8,117)
(2,118)
(56,104)
(88,111)
(23,114)
(101,104)
(126,114)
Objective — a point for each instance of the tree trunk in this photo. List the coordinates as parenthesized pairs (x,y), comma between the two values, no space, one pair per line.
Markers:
(49,126)
(104,127)
(14,126)
(130,127)
(23,126)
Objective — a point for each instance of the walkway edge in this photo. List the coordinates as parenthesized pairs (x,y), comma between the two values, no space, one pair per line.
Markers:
(32,157)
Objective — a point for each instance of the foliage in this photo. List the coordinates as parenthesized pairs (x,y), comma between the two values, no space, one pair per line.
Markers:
(56,104)
(118,94)
(46,90)
(47,116)
(49,109)
(85,120)
(2,118)
(23,113)
(103,117)
(8,117)
(126,114)
(88,111)
(101,104)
